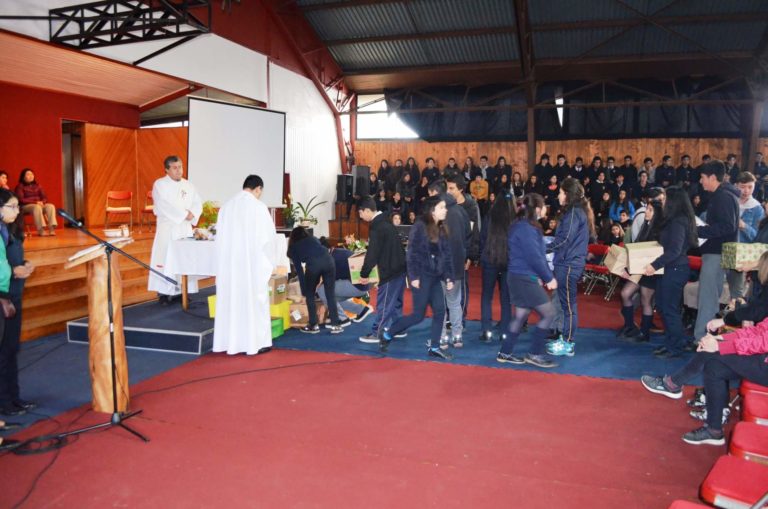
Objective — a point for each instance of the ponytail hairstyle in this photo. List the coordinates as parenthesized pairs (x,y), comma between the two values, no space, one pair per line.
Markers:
(527,212)
(499,218)
(434,230)
(575,198)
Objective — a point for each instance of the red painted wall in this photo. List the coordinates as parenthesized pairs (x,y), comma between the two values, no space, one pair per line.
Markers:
(30,130)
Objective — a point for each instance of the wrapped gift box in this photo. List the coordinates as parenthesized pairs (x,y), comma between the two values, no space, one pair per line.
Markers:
(277,328)
(356,264)
(212,306)
(641,254)
(278,289)
(283,311)
(616,261)
(737,253)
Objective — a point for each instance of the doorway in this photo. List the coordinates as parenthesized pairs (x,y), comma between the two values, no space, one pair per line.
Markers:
(72,168)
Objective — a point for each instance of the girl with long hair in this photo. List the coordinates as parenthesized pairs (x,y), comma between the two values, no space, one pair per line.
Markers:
(493,260)
(34,201)
(678,234)
(526,270)
(12,229)
(577,225)
(622,203)
(429,262)
(518,186)
(533,185)
(413,168)
(654,218)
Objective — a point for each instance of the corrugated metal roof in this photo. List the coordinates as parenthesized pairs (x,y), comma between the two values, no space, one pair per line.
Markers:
(563,11)
(361,21)
(441,15)
(569,43)
(693,7)
(380,55)
(476,48)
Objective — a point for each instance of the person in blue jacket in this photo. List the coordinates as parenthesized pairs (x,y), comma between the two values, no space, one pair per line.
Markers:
(10,328)
(678,235)
(622,204)
(526,270)
(429,262)
(576,226)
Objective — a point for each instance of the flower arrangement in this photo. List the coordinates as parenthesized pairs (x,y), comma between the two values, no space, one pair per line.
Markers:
(355,245)
(209,215)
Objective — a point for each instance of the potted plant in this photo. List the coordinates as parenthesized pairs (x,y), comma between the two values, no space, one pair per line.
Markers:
(304,212)
(209,216)
(289,212)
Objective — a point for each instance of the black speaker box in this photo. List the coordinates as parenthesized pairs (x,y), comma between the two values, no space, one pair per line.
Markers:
(360,174)
(344,188)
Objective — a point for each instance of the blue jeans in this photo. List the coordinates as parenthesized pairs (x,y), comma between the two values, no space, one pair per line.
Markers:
(389,303)
(567,282)
(430,292)
(493,276)
(669,299)
(345,290)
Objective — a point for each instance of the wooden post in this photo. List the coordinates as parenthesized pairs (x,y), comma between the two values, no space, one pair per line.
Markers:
(754,137)
(100,357)
(531,146)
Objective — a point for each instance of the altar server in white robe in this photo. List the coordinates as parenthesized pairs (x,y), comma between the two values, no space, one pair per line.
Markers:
(245,259)
(177,206)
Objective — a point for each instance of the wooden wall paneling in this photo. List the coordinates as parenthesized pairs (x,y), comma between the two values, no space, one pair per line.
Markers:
(109,164)
(154,146)
(372,152)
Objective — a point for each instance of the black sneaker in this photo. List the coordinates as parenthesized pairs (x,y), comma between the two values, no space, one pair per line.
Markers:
(660,350)
(436,352)
(620,333)
(26,405)
(509,358)
(486,337)
(632,334)
(704,435)
(334,329)
(540,361)
(666,354)
(345,323)
(11,410)
(656,385)
(369,338)
(699,399)
(457,342)
(310,329)
(362,315)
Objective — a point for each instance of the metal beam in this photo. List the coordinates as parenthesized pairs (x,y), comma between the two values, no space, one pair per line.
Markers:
(342,5)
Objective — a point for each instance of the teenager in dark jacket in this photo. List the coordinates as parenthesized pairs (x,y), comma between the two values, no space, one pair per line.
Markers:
(430,171)
(429,264)
(385,251)
(677,236)
(722,218)
(304,248)
(665,174)
(493,261)
(543,170)
(526,270)
(577,224)
(412,169)
(561,170)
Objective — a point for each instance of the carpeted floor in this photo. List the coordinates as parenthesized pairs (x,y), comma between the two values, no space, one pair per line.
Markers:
(308,429)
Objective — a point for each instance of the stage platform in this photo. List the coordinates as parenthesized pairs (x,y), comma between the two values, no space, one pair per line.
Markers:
(54,296)
(151,326)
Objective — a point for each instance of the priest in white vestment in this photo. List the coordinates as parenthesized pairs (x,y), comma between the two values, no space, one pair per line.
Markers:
(177,207)
(245,259)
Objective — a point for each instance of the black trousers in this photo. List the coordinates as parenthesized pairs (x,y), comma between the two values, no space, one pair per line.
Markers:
(9,350)
(326,269)
(718,370)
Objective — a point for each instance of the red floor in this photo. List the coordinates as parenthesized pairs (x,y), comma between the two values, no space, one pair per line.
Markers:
(342,431)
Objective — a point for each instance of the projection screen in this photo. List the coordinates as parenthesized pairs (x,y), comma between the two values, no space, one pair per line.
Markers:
(227,142)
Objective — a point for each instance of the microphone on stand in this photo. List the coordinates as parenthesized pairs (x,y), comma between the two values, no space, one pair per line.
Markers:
(63,213)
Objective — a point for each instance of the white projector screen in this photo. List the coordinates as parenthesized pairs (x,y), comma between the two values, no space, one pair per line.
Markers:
(228,142)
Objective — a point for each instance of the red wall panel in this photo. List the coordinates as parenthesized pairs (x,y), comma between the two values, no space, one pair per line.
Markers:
(30,130)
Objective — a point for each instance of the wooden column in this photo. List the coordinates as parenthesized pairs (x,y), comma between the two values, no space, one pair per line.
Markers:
(751,143)
(531,143)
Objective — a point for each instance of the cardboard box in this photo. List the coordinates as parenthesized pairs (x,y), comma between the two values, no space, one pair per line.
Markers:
(737,253)
(282,310)
(278,289)
(356,264)
(294,290)
(616,261)
(300,314)
(641,254)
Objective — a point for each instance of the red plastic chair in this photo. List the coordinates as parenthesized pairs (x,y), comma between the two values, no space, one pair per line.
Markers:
(754,408)
(735,482)
(694,262)
(747,387)
(749,441)
(598,273)
(121,203)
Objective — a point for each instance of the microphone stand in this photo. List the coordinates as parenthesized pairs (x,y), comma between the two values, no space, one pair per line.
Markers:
(117,418)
